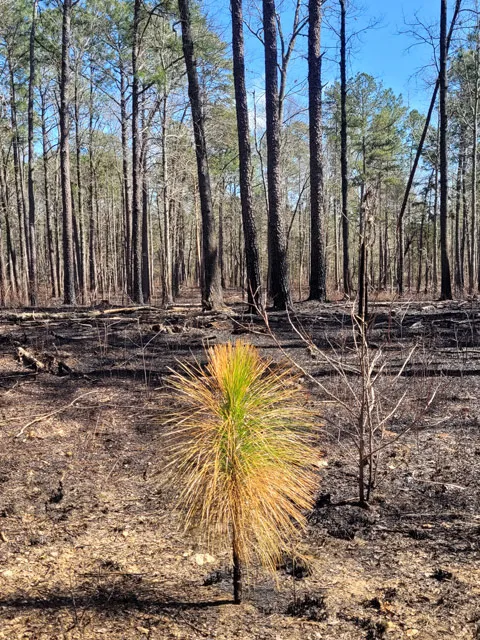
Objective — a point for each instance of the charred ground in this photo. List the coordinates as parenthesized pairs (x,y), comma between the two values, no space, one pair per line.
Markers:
(89,542)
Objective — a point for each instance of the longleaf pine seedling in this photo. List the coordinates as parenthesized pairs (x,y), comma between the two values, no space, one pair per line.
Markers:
(243,455)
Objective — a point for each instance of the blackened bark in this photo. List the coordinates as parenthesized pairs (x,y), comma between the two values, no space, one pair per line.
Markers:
(279,288)
(464,242)
(137,293)
(180,271)
(347,287)
(212,296)
(317,246)
(237,570)
(76,247)
(22,228)
(420,249)
(145,222)
(473,229)
(445,285)
(458,271)
(126,184)
(67,213)
(3,273)
(32,257)
(81,267)
(11,253)
(435,215)
(363,256)
(221,240)
(55,290)
(167,295)
(92,240)
(248,219)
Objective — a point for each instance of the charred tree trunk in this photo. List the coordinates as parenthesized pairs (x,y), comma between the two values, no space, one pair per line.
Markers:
(92,235)
(246,195)
(79,217)
(279,287)
(458,207)
(67,213)
(32,257)
(317,244)
(420,249)
(52,263)
(11,253)
(3,271)
(145,211)
(363,257)
(212,296)
(167,294)
(22,228)
(221,251)
(435,217)
(347,287)
(473,266)
(137,293)
(237,570)
(126,184)
(445,286)
(464,241)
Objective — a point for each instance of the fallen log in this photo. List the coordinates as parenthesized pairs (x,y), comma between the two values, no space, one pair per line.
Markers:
(74,313)
(29,360)
(50,363)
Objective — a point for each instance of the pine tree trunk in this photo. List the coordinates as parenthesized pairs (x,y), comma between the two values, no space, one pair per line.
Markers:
(473,231)
(445,286)
(464,240)
(343,149)
(67,213)
(52,264)
(317,244)
(126,184)
(212,297)
(220,237)
(336,238)
(11,253)
(420,250)
(435,216)
(32,261)
(22,228)
(458,207)
(137,293)
(279,288)
(80,222)
(92,235)
(3,274)
(254,292)
(145,211)
(167,294)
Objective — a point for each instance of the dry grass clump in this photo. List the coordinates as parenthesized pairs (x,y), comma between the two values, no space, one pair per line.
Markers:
(243,454)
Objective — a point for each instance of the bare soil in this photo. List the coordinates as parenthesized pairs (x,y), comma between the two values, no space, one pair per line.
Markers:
(90,545)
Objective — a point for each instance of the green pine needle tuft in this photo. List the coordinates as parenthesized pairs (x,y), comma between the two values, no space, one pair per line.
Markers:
(242,452)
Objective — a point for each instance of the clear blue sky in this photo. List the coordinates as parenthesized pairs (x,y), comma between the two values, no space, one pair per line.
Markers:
(386,52)
(381,51)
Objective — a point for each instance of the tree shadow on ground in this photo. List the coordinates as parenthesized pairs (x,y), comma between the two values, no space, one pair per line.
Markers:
(113,599)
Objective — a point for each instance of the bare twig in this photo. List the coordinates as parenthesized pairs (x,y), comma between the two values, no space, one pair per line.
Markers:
(52,413)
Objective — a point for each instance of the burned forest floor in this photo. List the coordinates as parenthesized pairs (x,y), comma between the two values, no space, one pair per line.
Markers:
(90,543)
